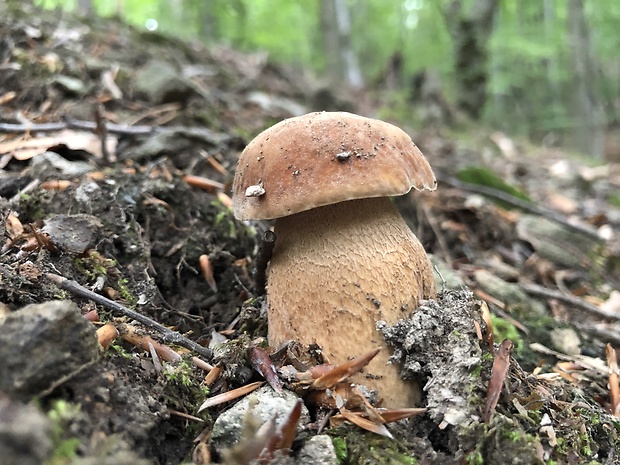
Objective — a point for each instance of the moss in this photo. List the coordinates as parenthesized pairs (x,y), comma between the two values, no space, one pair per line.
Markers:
(363,447)
(340,447)
(614,199)
(65,448)
(476,371)
(125,292)
(503,329)
(183,388)
(93,264)
(118,349)
(474,458)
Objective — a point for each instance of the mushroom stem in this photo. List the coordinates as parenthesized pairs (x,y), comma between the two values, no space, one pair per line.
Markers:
(338,269)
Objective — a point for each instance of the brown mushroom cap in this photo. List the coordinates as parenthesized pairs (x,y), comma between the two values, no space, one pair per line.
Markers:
(324,158)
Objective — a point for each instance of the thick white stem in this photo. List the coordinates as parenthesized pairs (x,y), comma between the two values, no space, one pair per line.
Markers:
(338,269)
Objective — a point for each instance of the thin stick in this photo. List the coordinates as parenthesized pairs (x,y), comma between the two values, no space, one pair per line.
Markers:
(169,336)
(123,129)
(265,250)
(519,203)
(540,291)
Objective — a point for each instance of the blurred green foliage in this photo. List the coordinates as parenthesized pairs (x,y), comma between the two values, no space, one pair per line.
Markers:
(531,72)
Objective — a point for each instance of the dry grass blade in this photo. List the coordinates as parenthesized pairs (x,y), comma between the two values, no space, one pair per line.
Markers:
(200,363)
(342,372)
(130,334)
(614,388)
(262,363)
(106,334)
(501,363)
(283,437)
(213,374)
(205,184)
(486,316)
(364,423)
(230,395)
(185,415)
(201,454)
(288,428)
(396,414)
(249,449)
(207,271)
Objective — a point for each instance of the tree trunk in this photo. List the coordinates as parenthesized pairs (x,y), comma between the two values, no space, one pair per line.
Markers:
(85,7)
(341,60)
(470,31)
(589,135)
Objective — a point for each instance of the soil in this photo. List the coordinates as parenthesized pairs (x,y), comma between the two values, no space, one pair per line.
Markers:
(111,207)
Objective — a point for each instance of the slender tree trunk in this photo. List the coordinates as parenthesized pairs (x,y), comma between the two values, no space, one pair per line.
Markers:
(341,60)
(589,135)
(85,7)
(470,31)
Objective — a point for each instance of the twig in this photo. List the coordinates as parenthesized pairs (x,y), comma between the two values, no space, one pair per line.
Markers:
(540,291)
(102,131)
(169,336)
(519,203)
(265,250)
(74,124)
(59,382)
(121,129)
(443,245)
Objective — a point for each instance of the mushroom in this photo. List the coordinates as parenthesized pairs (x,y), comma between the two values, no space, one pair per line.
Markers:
(344,257)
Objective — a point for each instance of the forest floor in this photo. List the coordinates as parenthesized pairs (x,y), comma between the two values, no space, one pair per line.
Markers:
(117,151)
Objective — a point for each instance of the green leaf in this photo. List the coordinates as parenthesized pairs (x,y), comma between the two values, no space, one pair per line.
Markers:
(485,177)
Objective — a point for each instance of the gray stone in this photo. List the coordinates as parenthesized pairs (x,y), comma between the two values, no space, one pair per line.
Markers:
(319,450)
(40,344)
(49,164)
(557,243)
(445,277)
(258,407)
(160,82)
(24,434)
(73,233)
(509,293)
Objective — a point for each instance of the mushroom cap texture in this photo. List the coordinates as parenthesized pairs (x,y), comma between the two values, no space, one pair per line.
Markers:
(324,158)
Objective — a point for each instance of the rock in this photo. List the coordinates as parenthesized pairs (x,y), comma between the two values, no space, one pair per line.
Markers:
(509,293)
(258,407)
(319,450)
(39,344)
(73,233)
(122,457)
(439,343)
(445,277)
(160,82)
(566,340)
(24,434)
(276,104)
(557,243)
(71,86)
(49,164)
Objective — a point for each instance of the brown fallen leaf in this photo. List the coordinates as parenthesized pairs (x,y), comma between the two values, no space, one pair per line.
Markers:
(230,395)
(358,419)
(283,437)
(343,371)
(501,363)
(262,363)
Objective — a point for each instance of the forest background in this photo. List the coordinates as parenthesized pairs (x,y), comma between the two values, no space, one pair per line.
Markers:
(545,69)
